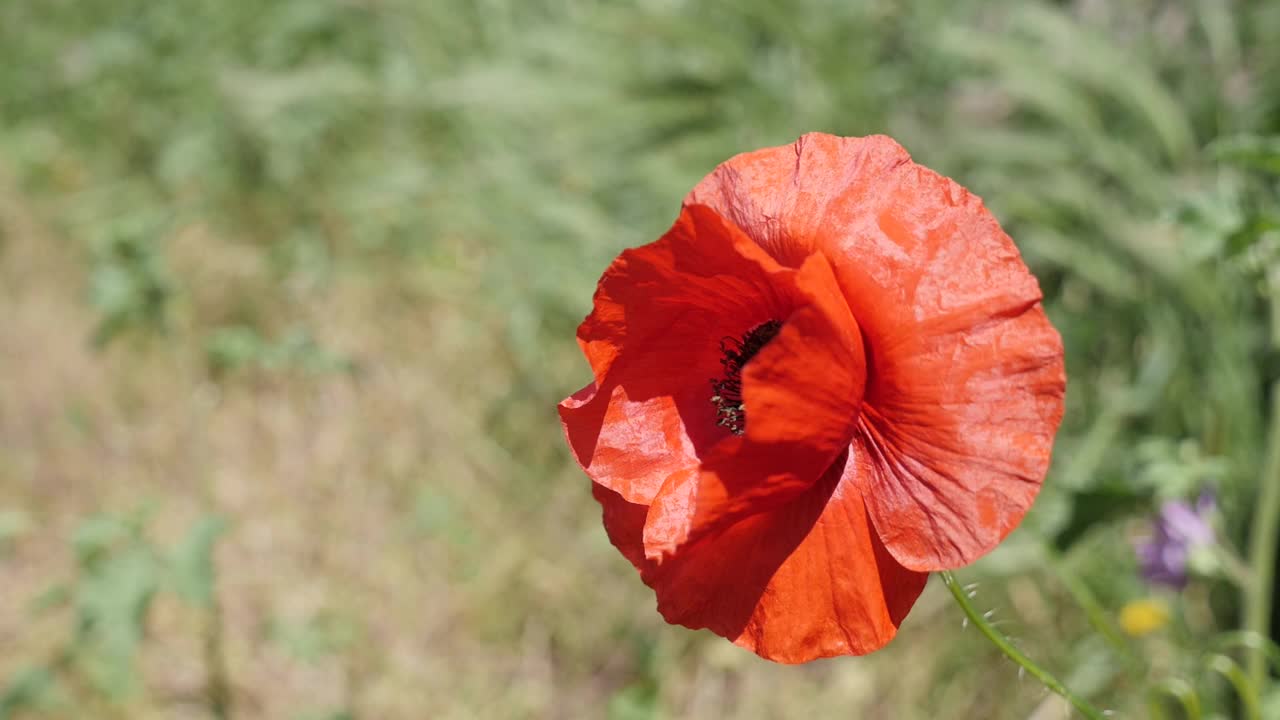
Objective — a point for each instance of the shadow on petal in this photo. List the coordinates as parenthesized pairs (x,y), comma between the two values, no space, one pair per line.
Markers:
(809,579)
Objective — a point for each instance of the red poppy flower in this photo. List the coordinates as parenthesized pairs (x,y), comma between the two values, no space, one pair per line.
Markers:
(832,376)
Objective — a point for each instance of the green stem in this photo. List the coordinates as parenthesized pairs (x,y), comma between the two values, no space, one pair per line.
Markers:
(1262,549)
(1248,694)
(1003,643)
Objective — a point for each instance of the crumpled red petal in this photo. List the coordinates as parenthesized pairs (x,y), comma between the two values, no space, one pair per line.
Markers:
(965,383)
(899,421)
(808,579)
(802,393)
(653,342)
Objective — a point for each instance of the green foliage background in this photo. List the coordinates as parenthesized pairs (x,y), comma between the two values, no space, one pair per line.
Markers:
(289,292)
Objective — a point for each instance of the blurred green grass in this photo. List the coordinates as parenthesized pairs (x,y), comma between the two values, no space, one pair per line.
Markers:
(315,266)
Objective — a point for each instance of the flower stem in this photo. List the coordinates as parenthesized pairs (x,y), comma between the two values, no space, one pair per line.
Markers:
(1262,549)
(1006,646)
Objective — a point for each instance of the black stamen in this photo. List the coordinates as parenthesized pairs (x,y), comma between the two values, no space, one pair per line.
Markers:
(727,391)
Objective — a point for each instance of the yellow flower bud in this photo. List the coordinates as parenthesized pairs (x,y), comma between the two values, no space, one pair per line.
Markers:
(1143,617)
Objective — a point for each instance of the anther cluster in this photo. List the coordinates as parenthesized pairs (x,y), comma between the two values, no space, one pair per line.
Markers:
(727,390)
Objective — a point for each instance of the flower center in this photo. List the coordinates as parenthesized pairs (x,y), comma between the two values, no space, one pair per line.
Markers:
(727,389)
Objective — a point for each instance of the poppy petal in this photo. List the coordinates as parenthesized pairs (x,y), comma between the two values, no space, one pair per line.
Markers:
(653,340)
(660,310)
(802,392)
(632,445)
(964,438)
(805,386)
(808,579)
(966,383)
(782,196)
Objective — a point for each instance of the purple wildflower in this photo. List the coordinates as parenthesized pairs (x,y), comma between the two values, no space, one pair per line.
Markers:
(1179,529)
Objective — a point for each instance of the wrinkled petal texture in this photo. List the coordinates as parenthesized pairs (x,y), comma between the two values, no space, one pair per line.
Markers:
(899,421)
(753,536)
(653,343)
(808,580)
(965,379)
(802,391)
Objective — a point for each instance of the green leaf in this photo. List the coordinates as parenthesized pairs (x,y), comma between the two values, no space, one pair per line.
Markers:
(31,687)
(1251,151)
(634,702)
(129,285)
(231,348)
(191,565)
(112,608)
(1251,231)
(95,536)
